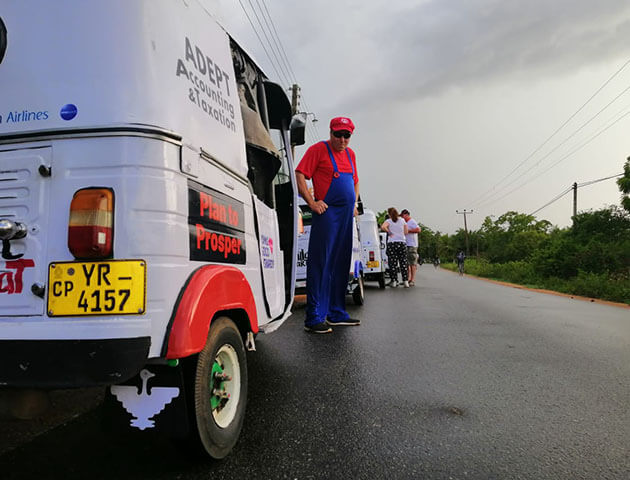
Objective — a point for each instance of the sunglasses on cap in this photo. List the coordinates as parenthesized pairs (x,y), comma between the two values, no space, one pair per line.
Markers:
(342,133)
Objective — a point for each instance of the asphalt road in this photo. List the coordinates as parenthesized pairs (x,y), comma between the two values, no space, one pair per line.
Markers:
(456,378)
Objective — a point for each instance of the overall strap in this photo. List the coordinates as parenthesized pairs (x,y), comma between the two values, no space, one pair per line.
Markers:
(350,160)
(332,159)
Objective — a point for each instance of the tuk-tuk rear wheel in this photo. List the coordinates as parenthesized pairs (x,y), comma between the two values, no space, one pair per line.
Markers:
(220,391)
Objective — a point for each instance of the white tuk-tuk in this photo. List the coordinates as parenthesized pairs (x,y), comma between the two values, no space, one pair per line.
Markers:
(357,267)
(383,244)
(148,210)
(374,268)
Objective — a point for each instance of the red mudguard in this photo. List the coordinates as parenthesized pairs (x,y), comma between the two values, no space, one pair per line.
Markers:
(211,289)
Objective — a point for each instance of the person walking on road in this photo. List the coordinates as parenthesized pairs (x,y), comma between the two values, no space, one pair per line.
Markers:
(332,166)
(411,238)
(460,258)
(396,229)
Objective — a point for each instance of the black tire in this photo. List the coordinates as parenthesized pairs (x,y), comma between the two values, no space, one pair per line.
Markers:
(219,421)
(381,281)
(358,294)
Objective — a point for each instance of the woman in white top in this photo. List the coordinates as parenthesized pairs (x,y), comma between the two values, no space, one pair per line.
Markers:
(396,229)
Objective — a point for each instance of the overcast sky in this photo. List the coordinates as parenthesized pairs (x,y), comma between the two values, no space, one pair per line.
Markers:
(455,102)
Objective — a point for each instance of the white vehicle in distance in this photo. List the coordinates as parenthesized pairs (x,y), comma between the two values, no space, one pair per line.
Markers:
(383,244)
(356,270)
(373,266)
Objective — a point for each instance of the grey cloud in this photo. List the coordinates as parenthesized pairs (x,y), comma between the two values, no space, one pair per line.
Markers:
(441,44)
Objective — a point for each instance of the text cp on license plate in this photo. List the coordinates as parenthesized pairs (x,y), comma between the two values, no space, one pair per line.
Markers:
(373,264)
(96,288)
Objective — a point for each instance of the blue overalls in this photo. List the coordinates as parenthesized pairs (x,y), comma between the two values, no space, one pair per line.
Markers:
(330,250)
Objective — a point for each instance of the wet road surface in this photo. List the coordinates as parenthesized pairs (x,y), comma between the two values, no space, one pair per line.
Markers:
(455,378)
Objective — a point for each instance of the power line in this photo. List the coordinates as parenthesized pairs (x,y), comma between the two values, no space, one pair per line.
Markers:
(555,199)
(281,58)
(313,125)
(555,132)
(488,201)
(584,184)
(527,182)
(579,147)
(280,65)
(275,32)
(259,39)
(591,182)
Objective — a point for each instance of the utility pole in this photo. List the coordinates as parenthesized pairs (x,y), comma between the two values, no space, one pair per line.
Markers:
(575,185)
(464,212)
(295,98)
(295,107)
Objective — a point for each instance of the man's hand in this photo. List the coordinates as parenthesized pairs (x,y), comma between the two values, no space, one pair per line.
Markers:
(318,207)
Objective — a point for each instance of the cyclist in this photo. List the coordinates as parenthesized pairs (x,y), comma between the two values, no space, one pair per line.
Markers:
(460,258)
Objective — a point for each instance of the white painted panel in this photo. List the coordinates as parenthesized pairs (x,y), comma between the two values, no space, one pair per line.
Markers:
(271,257)
(24,199)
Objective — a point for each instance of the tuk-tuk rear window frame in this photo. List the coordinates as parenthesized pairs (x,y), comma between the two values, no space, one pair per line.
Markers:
(3,39)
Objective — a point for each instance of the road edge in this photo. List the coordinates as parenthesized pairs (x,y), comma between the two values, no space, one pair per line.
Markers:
(545,291)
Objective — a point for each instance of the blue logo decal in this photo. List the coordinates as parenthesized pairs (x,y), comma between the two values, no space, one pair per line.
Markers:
(68,112)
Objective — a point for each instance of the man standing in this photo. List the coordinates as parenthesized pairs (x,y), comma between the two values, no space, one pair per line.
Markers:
(412,245)
(332,166)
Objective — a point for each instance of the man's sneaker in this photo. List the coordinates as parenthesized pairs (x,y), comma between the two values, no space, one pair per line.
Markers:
(318,328)
(347,322)
(406,284)
(393,284)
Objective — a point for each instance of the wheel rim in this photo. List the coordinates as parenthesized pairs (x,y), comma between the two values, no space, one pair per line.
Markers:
(225,386)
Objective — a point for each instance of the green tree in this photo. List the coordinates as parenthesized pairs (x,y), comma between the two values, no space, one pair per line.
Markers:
(603,239)
(624,186)
(380,217)
(515,222)
(513,236)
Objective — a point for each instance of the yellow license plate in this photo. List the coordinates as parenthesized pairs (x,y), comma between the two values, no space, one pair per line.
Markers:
(115,287)
(373,264)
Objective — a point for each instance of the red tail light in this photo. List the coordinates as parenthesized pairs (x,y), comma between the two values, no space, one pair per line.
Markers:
(91,225)
(371,256)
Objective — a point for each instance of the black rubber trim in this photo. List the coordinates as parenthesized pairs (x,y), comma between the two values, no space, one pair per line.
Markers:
(71,363)
(171,320)
(84,131)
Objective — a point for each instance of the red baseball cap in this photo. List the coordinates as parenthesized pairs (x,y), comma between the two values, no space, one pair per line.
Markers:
(341,123)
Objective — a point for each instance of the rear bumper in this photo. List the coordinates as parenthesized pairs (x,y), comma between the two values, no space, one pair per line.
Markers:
(376,275)
(71,363)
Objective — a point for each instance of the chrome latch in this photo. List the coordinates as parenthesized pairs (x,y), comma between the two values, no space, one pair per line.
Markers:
(10,230)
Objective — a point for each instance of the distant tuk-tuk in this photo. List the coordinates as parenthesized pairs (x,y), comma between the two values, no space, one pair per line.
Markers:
(372,251)
(356,267)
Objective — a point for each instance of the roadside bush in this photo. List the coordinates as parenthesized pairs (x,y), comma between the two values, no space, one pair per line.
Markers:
(587,284)
(596,285)
(591,258)
(557,256)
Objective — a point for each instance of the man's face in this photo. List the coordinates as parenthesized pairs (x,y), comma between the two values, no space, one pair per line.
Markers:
(406,217)
(338,140)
